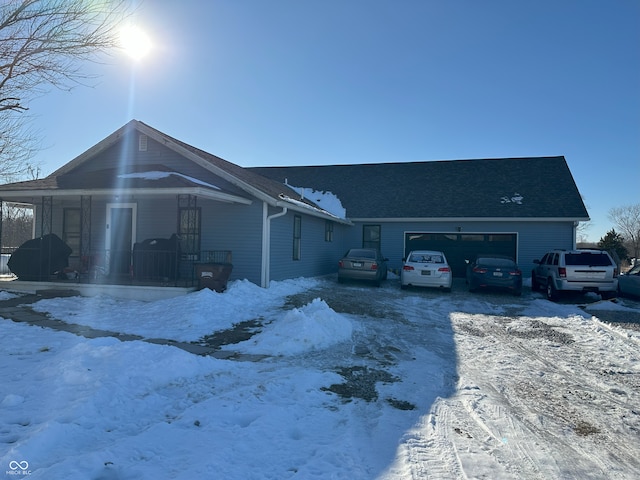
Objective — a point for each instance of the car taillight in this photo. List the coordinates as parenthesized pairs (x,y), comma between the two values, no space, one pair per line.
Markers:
(479,270)
(408,268)
(374,266)
(515,273)
(615,272)
(562,272)
(444,269)
(340,264)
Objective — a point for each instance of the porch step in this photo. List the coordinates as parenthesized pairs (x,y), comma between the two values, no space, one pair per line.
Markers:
(57,292)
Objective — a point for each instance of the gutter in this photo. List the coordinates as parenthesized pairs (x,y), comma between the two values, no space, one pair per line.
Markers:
(265,270)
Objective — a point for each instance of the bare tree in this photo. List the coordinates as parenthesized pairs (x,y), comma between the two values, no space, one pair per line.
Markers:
(43,44)
(627,221)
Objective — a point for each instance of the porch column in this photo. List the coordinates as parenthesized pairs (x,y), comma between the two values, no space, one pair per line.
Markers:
(1,219)
(46,220)
(186,229)
(85,226)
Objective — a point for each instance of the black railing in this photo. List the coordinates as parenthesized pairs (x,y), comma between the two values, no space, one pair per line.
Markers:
(140,266)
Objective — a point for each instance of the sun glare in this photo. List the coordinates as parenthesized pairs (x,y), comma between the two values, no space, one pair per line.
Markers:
(135,42)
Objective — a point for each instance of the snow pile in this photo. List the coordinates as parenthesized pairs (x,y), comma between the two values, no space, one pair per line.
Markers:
(312,327)
(197,314)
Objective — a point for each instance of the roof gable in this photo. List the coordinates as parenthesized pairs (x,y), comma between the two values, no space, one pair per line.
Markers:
(485,188)
(110,165)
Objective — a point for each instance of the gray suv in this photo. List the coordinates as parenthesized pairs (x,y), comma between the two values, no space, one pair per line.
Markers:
(576,271)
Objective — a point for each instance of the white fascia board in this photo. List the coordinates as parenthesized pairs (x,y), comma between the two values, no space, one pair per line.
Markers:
(314,212)
(472,219)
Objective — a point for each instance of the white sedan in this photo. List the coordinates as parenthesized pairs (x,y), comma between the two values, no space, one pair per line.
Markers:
(426,268)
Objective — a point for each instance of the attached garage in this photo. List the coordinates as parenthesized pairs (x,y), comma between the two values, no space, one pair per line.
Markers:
(460,246)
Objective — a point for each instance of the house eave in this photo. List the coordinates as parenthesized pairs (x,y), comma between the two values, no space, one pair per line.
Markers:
(310,210)
(138,192)
(469,219)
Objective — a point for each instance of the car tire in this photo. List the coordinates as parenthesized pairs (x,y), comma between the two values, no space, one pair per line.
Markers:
(448,290)
(607,295)
(535,286)
(404,287)
(340,280)
(552,292)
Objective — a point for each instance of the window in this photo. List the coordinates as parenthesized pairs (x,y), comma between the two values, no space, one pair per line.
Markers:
(71,230)
(189,232)
(371,236)
(297,235)
(328,231)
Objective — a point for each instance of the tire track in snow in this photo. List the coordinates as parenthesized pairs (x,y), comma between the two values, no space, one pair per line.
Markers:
(541,409)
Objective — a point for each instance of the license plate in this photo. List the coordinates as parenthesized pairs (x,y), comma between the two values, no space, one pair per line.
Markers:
(497,274)
(357,264)
(426,272)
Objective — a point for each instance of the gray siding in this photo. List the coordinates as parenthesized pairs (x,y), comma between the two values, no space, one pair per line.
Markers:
(318,257)
(156,154)
(237,228)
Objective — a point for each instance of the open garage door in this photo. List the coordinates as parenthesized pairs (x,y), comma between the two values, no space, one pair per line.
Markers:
(460,246)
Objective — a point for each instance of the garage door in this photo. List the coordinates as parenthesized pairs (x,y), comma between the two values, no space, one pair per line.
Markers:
(460,246)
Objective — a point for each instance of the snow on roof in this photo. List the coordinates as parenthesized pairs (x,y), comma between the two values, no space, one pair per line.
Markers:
(156,175)
(326,200)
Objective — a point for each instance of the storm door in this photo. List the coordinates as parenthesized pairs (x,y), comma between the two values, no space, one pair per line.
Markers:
(121,235)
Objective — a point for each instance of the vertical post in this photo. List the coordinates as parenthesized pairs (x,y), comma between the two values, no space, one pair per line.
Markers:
(188,203)
(46,225)
(85,231)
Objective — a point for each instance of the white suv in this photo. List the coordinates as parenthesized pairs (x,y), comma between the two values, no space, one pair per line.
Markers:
(576,271)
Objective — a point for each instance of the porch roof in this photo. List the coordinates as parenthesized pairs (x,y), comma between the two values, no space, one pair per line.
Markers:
(150,180)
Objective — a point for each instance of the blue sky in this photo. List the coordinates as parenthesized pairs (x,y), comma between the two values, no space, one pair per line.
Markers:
(302,82)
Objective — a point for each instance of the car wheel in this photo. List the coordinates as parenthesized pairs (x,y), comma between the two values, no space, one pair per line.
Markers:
(535,286)
(340,280)
(404,287)
(607,295)
(552,293)
(448,289)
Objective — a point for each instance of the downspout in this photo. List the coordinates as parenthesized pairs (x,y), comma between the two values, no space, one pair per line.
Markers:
(266,242)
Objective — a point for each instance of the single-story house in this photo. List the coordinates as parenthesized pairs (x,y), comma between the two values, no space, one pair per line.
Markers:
(140,198)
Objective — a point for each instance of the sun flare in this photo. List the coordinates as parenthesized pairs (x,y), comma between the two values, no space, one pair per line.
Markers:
(135,42)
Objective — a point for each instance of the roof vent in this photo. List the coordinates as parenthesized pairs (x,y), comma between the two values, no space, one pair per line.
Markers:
(142,143)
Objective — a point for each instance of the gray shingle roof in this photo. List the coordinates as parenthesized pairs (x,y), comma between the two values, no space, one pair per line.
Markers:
(538,187)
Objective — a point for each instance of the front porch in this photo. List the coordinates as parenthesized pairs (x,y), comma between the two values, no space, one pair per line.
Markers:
(152,274)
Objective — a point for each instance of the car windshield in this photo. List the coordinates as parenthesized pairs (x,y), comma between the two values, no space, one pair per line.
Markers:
(426,258)
(588,258)
(635,270)
(496,262)
(361,253)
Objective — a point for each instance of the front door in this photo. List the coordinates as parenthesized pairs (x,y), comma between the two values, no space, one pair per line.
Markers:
(120,228)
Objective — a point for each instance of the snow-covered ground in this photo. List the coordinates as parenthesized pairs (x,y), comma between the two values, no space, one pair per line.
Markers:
(338,381)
